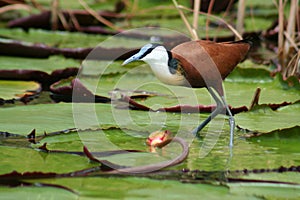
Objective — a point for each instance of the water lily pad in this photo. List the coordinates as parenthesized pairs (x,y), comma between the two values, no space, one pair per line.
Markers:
(264,119)
(63,92)
(118,188)
(35,193)
(44,65)
(62,116)
(43,78)
(269,185)
(10,90)
(267,190)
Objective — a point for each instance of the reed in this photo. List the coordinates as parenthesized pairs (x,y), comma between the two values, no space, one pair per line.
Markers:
(15,7)
(240,16)
(98,17)
(194,35)
(288,37)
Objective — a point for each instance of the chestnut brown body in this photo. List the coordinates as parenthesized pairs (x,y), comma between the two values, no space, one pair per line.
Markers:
(207,63)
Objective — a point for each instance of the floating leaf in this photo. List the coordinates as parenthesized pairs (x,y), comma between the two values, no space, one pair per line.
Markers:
(268,185)
(37,64)
(264,119)
(39,76)
(29,160)
(19,90)
(75,92)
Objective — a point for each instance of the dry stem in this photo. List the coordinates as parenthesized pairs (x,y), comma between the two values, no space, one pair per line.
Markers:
(14,7)
(187,24)
(98,17)
(240,16)
(196,17)
(238,35)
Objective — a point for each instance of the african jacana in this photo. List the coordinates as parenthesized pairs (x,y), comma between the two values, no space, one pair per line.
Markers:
(197,64)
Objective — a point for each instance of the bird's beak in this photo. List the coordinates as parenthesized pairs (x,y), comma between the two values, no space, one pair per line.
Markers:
(135,57)
(129,60)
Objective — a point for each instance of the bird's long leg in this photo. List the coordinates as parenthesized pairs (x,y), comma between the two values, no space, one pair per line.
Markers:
(217,111)
(221,104)
(231,121)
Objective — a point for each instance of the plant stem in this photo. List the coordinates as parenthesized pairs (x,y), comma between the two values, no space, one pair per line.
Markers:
(240,16)
(97,16)
(280,52)
(183,17)
(290,30)
(217,18)
(54,14)
(196,16)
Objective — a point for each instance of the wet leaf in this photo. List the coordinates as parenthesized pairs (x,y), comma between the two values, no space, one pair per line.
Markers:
(287,185)
(264,119)
(45,65)
(39,76)
(19,90)
(75,92)
(29,160)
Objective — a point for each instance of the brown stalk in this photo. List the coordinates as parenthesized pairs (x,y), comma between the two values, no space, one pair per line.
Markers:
(98,17)
(210,7)
(293,67)
(63,20)
(290,30)
(54,14)
(255,98)
(290,41)
(14,7)
(185,21)
(240,16)
(287,38)
(74,20)
(281,53)
(196,17)
(235,32)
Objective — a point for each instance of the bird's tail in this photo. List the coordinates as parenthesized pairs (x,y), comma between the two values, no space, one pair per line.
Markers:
(252,40)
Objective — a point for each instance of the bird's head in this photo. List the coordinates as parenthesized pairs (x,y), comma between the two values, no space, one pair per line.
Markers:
(161,62)
(150,53)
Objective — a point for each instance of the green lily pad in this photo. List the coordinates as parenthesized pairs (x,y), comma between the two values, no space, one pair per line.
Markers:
(64,116)
(266,190)
(32,117)
(18,89)
(24,159)
(53,38)
(264,185)
(69,40)
(45,65)
(35,193)
(264,119)
(118,188)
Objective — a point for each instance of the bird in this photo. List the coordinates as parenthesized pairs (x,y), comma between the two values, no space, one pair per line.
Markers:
(197,64)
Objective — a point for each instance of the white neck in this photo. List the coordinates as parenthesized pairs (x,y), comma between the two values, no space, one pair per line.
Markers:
(158,61)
